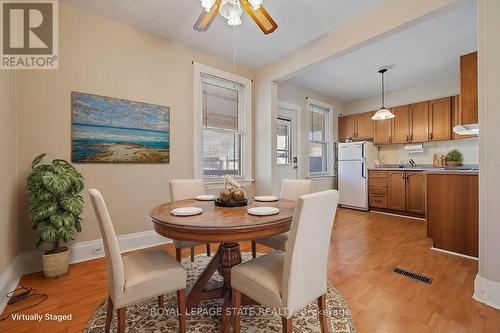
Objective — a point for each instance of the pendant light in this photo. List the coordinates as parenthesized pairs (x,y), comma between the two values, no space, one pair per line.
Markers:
(383,113)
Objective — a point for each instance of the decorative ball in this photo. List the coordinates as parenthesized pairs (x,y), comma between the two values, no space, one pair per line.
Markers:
(238,195)
(225,195)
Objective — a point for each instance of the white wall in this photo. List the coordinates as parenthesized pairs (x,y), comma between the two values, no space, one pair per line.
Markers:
(487,285)
(293,94)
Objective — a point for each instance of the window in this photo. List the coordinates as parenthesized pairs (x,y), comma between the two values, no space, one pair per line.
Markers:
(222,119)
(320,144)
(283,141)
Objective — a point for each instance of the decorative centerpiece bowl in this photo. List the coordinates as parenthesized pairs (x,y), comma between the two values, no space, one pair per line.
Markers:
(232,195)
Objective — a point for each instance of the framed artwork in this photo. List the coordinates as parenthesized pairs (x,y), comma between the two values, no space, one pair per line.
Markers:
(111,130)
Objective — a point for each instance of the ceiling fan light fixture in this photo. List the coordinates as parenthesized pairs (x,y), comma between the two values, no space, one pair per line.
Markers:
(207,4)
(256,4)
(231,11)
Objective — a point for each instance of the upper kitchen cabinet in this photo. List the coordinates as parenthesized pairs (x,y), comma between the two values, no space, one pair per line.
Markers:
(346,127)
(364,125)
(382,132)
(440,119)
(419,122)
(455,118)
(358,126)
(468,89)
(401,124)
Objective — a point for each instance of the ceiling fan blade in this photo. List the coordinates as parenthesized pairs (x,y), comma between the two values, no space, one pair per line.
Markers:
(206,18)
(261,17)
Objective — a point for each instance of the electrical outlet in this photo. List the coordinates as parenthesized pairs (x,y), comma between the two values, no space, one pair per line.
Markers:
(96,250)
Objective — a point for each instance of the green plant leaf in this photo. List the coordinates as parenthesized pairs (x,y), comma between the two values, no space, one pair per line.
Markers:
(72,204)
(56,183)
(43,211)
(47,232)
(37,160)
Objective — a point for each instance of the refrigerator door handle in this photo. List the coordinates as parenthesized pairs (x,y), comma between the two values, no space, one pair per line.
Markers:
(363,150)
(363,170)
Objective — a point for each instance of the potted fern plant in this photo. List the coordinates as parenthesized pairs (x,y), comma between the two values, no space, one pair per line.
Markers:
(454,158)
(54,210)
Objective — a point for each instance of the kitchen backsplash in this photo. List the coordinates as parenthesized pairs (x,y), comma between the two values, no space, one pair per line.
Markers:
(394,154)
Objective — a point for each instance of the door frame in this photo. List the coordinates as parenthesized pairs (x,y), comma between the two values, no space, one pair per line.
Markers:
(298,149)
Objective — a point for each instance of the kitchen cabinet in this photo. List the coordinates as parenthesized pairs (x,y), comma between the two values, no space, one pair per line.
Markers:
(401,124)
(468,89)
(382,132)
(440,119)
(396,199)
(364,126)
(419,122)
(455,118)
(452,212)
(377,189)
(415,192)
(346,127)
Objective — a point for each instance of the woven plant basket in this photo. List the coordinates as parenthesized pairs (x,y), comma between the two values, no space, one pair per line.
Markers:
(56,264)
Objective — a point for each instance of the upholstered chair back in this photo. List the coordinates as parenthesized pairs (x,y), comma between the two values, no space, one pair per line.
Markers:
(116,275)
(305,269)
(181,189)
(292,189)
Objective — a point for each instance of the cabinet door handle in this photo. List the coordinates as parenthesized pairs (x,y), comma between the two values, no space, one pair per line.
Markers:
(407,138)
(431,136)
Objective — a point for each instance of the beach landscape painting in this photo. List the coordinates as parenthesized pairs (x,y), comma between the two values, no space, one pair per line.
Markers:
(110,130)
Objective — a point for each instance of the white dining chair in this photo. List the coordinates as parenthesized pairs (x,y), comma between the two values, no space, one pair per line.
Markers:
(181,189)
(137,277)
(288,281)
(291,189)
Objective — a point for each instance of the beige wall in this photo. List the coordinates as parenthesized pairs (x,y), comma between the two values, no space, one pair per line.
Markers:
(8,200)
(105,57)
(293,94)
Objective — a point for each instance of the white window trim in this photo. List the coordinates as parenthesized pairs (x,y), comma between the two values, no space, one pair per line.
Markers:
(329,139)
(246,147)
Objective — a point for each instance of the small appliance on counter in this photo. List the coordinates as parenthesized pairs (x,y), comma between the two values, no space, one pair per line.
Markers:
(353,162)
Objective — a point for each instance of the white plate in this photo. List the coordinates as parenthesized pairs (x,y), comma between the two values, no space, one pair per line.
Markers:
(263,211)
(186,211)
(207,197)
(266,198)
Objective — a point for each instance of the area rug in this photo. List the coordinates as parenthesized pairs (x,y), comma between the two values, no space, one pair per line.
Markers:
(148,318)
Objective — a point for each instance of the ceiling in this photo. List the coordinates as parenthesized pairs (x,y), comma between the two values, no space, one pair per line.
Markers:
(424,53)
(299,23)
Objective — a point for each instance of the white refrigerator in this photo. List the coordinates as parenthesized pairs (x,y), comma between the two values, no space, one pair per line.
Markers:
(353,161)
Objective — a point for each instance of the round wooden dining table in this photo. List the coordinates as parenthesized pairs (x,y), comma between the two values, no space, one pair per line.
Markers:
(227,226)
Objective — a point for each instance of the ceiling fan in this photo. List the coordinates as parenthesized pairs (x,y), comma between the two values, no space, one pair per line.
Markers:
(232,10)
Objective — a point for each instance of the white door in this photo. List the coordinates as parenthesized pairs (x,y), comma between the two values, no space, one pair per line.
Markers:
(353,186)
(287,142)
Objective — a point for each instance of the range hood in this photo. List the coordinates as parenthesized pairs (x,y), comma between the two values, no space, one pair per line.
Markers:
(466,129)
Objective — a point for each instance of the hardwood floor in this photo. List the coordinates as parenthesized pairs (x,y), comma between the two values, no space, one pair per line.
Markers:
(365,247)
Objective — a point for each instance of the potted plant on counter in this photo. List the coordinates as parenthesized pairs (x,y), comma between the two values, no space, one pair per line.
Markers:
(54,210)
(454,158)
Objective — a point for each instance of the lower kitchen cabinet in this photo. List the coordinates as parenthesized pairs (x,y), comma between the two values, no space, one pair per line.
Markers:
(397,190)
(415,192)
(400,192)
(452,212)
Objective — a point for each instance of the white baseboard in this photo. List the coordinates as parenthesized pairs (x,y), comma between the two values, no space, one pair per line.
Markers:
(454,253)
(31,262)
(487,292)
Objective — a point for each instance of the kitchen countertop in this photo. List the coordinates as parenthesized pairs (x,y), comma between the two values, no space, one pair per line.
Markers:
(430,169)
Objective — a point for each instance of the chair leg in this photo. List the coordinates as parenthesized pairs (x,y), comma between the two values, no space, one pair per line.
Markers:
(287,324)
(322,313)
(208,250)
(192,254)
(178,254)
(181,304)
(236,309)
(109,315)
(121,319)
(161,301)
(254,249)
